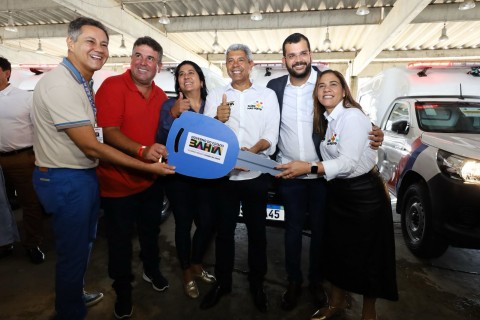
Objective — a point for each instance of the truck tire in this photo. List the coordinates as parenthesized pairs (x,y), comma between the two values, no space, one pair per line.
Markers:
(417,224)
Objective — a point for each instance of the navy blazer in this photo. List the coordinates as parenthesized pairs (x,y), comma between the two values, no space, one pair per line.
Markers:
(278,85)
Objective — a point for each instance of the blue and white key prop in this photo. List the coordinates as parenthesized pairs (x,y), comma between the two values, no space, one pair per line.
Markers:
(201,147)
(255,162)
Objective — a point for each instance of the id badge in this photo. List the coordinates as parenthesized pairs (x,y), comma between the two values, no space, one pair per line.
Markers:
(99,134)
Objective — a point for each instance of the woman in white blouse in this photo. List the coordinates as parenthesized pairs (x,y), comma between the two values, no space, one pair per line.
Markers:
(360,251)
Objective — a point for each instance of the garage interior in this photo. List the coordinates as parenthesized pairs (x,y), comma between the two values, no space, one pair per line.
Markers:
(357,37)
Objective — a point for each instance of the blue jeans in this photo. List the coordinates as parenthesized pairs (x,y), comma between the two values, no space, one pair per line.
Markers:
(71,196)
(302,199)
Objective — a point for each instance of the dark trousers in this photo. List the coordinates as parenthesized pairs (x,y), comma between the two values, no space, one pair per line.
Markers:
(253,195)
(303,199)
(71,196)
(142,209)
(190,200)
(18,169)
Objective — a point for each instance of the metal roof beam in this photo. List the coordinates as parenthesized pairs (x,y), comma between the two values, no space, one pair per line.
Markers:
(21,54)
(44,31)
(118,19)
(386,55)
(401,15)
(304,19)
(28,5)
(313,19)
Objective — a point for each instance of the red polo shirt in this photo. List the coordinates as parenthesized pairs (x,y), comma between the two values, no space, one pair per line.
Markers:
(120,104)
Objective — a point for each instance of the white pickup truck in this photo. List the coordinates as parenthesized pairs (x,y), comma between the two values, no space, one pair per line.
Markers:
(430,159)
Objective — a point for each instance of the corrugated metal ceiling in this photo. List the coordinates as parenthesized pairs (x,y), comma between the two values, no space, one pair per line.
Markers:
(194,23)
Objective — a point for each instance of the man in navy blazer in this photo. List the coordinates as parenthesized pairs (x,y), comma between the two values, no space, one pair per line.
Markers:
(305,196)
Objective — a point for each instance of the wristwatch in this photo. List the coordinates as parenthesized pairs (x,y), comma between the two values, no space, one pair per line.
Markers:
(313,167)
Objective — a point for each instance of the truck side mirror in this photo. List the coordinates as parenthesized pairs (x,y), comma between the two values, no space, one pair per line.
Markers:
(400,127)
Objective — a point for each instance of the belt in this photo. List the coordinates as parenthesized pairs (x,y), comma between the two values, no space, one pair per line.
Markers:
(373,172)
(14,152)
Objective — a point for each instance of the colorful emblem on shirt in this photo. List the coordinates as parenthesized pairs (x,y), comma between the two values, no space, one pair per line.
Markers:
(257,106)
(333,140)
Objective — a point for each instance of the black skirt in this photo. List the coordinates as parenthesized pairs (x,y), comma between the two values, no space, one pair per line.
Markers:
(360,245)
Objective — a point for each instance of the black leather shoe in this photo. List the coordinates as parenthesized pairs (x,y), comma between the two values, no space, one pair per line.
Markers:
(6,250)
(290,297)
(213,296)
(319,294)
(36,255)
(259,298)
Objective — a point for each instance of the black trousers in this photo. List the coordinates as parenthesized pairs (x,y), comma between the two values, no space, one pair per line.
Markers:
(253,196)
(191,200)
(142,209)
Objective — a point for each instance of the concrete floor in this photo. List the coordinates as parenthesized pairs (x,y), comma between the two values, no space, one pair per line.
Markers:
(444,288)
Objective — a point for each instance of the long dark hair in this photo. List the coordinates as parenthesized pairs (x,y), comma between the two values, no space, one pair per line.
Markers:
(203,89)
(319,121)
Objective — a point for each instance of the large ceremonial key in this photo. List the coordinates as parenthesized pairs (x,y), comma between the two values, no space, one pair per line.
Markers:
(201,147)
(255,162)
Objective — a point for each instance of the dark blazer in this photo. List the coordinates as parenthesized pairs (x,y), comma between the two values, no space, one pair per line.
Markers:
(278,85)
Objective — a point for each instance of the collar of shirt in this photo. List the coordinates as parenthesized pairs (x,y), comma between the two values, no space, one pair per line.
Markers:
(127,77)
(337,111)
(75,73)
(7,90)
(312,79)
(230,87)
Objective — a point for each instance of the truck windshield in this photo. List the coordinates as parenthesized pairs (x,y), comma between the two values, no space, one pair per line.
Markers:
(434,116)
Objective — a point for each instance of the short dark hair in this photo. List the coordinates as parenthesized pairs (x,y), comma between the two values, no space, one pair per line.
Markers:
(5,65)
(75,26)
(203,90)
(295,38)
(152,43)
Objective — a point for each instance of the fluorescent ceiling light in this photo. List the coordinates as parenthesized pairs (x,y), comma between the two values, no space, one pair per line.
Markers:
(466,5)
(215,45)
(39,48)
(10,24)
(444,36)
(163,17)
(363,9)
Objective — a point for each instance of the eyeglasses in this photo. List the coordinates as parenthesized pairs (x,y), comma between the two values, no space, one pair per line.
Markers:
(139,57)
(303,55)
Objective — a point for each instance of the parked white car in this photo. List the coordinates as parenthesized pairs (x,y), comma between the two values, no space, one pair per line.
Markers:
(430,159)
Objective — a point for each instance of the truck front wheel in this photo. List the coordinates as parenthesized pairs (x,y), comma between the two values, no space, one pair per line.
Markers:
(417,224)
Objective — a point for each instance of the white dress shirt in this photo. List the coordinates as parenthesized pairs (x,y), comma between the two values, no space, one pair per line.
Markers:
(254,115)
(346,149)
(16,128)
(296,126)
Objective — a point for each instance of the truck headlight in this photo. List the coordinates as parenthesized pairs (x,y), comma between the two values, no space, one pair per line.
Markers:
(458,167)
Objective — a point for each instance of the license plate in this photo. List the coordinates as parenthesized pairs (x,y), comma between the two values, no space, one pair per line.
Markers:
(275,212)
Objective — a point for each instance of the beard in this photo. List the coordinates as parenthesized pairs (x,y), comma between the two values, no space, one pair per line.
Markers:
(299,75)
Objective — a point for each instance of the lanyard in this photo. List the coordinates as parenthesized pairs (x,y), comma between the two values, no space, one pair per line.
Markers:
(87,86)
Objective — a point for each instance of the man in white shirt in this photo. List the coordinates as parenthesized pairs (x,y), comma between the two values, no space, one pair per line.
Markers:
(17,158)
(252,112)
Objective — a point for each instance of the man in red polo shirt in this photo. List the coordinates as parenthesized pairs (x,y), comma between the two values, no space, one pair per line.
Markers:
(128,110)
